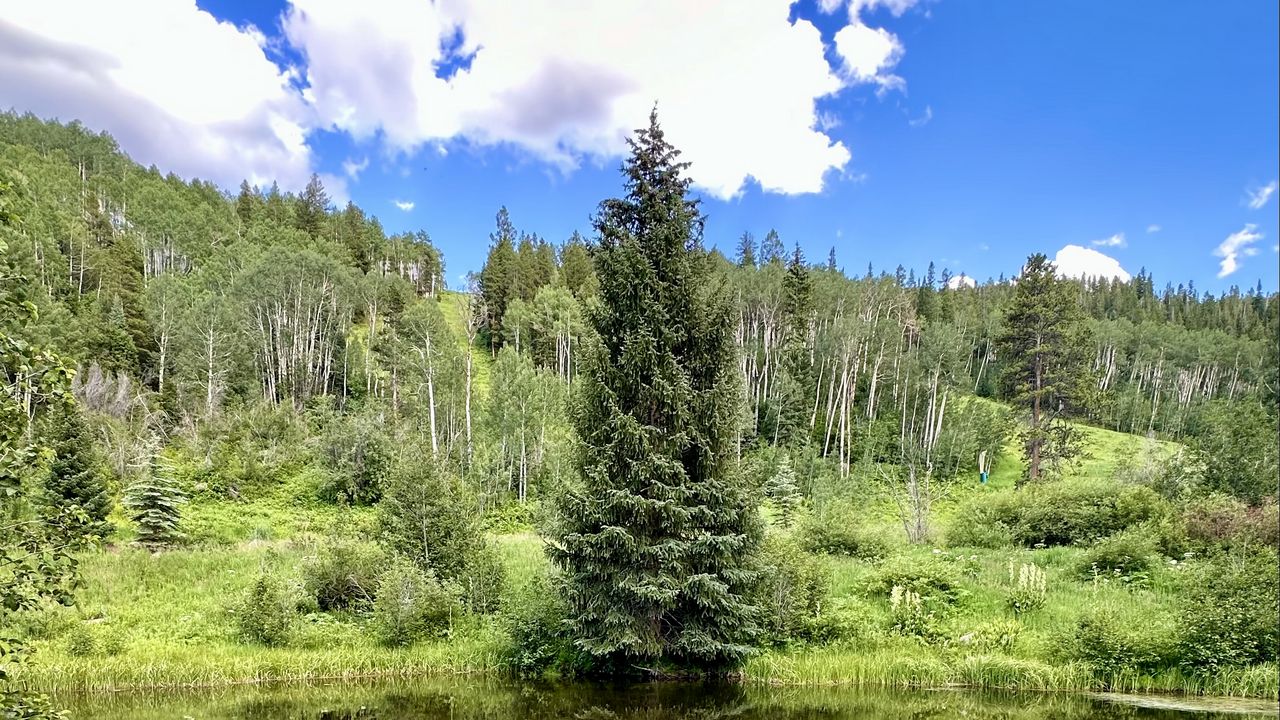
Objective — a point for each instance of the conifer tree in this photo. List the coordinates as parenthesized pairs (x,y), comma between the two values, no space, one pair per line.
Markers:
(245,202)
(771,250)
(498,276)
(1045,349)
(747,250)
(576,273)
(656,543)
(312,206)
(154,502)
(74,478)
(781,490)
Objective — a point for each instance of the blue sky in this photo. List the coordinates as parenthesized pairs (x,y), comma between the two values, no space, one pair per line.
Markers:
(965,133)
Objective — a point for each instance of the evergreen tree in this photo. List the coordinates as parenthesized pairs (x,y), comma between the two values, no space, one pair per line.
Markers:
(245,202)
(656,543)
(1045,349)
(576,273)
(771,250)
(498,275)
(154,502)
(781,491)
(426,517)
(747,250)
(831,259)
(74,478)
(312,206)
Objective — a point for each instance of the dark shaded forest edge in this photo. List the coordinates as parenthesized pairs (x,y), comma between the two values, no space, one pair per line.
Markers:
(250,437)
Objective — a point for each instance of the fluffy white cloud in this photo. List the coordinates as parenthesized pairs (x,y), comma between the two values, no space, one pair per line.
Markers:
(1116,240)
(1237,244)
(1074,261)
(956,282)
(405,205)
(1258,197)
(175,86)
(570,81)
(736,83)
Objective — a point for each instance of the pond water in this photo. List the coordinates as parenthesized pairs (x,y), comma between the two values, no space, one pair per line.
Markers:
(479,699)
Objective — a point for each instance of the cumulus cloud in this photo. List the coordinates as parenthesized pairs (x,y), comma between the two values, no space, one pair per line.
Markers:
(146,73)
(405,205)
(1074,261)
(1237,244)
(956,282)
(1258,197)
(1116,240)
(737,84)
(569,82)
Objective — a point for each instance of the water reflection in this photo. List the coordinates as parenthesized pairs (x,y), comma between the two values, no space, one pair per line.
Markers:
(433,699)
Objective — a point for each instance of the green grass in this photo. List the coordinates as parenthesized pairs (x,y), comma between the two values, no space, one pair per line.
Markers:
(454,307)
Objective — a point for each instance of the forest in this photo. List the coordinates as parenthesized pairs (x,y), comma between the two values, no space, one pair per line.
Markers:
(252,436)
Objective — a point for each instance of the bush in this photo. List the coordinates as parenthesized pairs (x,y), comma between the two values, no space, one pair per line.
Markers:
(930,579)
(792,586)
(81,641)
(1229,612)
(342,572)
(1125,557)
(843,622)
(1058,513)
(265,614)
(1030,587)
(831,532)
(994,636)
(356,452)
(537,638)
(428,517)
(412,604)
(483,579)
(1111,646)
(1221,522)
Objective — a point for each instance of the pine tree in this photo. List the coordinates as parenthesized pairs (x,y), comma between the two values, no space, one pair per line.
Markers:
(781,491)
(245,202)
(313,204)
(576,273)
(772,251)
(656,543)
(498,275)
(74,478)
(1045,348)
(154,503)
(747,250)
(831,259)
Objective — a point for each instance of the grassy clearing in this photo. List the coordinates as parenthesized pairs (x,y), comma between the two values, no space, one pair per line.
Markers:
(454,307)
(163,620)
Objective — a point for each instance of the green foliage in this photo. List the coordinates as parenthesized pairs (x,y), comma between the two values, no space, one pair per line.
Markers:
(1045,351)
(835,529)
(1111,646)
(357,453)
(929,579)
(792,588)
(1229,612)
(535,622)
(656,541)
(1127,557)
(1237,444)
(74,476)
(1057,513)
(428,517)
(341,572)
(1030,587)
(266,612)
(912,615)
(1220,522)
(412,605)
(154,502)
(483,579)
(80,641)
(1000,635)
(781,492)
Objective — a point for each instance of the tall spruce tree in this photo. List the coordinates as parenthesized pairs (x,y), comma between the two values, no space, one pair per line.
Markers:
(74,478)
(656,543)
(154,502)
(1045,349)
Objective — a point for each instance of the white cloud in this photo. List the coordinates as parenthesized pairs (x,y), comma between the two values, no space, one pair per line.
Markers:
(1153,228)
(956,282)
(923,119)
(146,73)
(565,82)
(1074,261)
(353,168)
(1237,243)
(405,205)
(1258,197)
(1116,240)
(569,82)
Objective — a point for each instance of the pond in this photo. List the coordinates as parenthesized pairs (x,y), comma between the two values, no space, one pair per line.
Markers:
(484,699)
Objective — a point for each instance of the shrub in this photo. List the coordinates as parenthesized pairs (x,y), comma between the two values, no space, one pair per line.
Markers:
(1229,612)
(1125,557)
(427,516)
(535,626)
(1057,513)
(831,532)
(342,572)
(357,453)
(1221,522)
(1030,587)
(792,586)
(930,578)
(81,641)
(265,613)
(412,604)
(843,622)
(1111,646)
(482,580)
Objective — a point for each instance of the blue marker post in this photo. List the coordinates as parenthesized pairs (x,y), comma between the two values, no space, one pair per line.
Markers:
(983,467)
